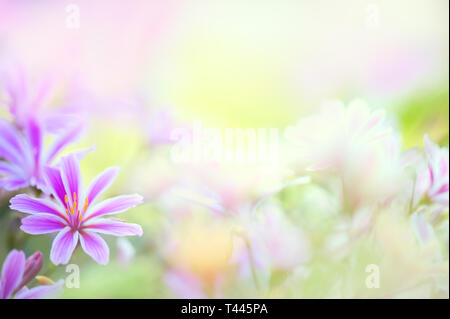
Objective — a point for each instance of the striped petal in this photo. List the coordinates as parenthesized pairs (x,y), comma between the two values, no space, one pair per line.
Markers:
(12,273)
(55,183)
(42,224)
(71,176)
(66,137)
(114,205)
(63,246)
(95,246)
(114,227)
(101,183)
(41,292)
(25,204)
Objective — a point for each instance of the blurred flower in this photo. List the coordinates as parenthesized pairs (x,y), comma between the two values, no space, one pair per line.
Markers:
(72,214)
(433,181)
(26,100)
(125,251)
(275,241)
(24,103)
(411,257)
(17,272)
(357,145)
(184,284)
(198,251)
(22,154)
(332,137)
(160,127)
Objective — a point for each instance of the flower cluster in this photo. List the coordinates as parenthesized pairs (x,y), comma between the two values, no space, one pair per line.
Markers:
(360,200)
(51,190)
(345,197)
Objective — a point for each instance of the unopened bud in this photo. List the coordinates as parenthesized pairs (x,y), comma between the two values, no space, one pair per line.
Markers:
(33,265)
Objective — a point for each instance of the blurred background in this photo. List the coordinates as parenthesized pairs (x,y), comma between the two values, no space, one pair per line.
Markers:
(137,70)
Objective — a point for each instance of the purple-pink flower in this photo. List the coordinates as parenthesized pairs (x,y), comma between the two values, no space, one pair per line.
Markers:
(23,156)
(74,214)
(434,180)
(18,271)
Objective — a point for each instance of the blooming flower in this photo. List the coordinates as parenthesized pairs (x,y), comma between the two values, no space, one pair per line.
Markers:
(357,146)
(433,181)
(275,243)
(72,212)
(333,136)
(24,100)
(17,272)
(22,153)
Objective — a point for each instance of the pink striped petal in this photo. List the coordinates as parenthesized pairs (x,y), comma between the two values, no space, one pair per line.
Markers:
(42,224)
(66,137)
(13,183)
(55,183)
(95,246)
(63,246)
(11,142)
(34,136)
(114,205)
(25,204)
(9,169)
(114,227)
(71,176)
(41,292)
(101,183)
(12,273)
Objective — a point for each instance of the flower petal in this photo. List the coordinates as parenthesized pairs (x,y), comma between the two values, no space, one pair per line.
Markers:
(114,205)
(9,168)
(42,224)
(13,183)
(13,176)
(101,183)
(71,176)
(25,204)
(114,227)
(432,149)
(66,137)
(33,133)
(41,292)
(55,183)
(12,273)
(11,142)
(63,246)
(95,246)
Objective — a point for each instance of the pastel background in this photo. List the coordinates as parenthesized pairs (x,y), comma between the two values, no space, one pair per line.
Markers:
(139,69)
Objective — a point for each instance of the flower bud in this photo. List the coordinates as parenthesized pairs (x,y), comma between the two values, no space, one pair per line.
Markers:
(33,265)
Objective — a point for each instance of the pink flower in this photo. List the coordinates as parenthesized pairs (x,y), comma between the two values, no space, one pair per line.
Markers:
(331,138)
(434,180)
(73,213)
(17,272)
(23,156)
(184,284)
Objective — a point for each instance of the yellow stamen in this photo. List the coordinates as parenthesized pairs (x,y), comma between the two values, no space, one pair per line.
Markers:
(66,198)
(71,210)
(81,216)
(75,196)
(86,203)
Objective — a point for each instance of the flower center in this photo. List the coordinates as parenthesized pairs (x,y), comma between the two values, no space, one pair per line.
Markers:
(74,210)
